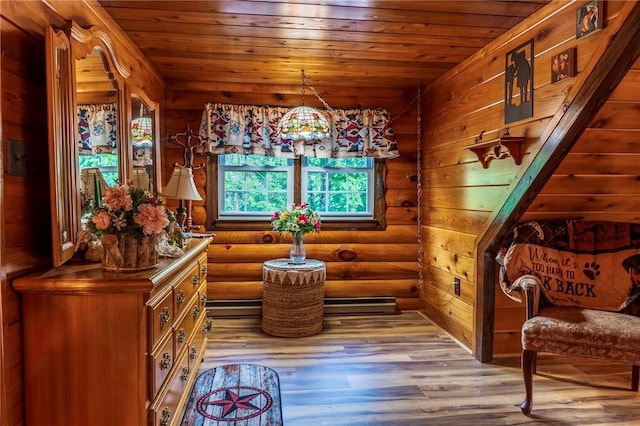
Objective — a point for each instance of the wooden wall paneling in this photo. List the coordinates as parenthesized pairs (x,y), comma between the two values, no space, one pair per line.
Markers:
(24,120)
(612,59)
(464,221)
(402,234)
(248,290)
(343,252)
(335,270)
(469,100)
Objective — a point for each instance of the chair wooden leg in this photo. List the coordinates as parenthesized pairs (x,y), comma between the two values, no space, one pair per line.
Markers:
(635,377)
(528,362)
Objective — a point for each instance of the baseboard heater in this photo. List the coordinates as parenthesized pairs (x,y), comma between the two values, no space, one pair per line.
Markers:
(344,306)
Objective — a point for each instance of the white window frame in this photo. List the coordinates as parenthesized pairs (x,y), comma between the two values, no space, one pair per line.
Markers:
(250,216)
(292,190)
(343,216)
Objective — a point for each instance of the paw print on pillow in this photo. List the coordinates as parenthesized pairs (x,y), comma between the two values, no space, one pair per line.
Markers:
(591,270)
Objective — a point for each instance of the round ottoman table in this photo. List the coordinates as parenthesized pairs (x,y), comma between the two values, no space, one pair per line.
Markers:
(293,297)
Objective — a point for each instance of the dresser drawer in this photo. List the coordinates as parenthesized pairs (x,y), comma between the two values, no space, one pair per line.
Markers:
(198,341)
(162,317)
(165,410)
(186,288)
(162,360)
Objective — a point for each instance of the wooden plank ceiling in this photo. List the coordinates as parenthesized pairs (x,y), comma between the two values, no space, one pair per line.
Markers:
(354,43)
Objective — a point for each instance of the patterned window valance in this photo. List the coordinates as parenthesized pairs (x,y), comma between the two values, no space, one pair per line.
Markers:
(97,129)
(251,129)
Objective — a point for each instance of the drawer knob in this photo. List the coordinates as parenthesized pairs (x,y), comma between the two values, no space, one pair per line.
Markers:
(165,315)
(196,311)
(204,270)
(166,416)
(182,336)
(194,353)
(180,298)
(206,327)
(195,280)
(165,362)
(185,374)
(203,299)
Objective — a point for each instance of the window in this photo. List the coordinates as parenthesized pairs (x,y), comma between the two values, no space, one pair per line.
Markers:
(249,188)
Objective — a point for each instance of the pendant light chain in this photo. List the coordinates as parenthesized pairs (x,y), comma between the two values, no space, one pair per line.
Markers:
(306,81)
(418,99)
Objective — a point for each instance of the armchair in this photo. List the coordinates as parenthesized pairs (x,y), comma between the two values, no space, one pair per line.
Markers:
(579,282)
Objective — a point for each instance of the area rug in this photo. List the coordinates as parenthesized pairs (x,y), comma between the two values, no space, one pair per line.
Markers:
(245,393)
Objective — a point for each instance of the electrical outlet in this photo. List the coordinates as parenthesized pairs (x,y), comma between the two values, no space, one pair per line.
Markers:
(456,286)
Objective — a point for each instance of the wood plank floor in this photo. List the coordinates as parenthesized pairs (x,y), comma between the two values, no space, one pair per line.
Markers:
(388,370)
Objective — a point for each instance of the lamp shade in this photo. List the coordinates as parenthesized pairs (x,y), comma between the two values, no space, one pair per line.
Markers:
(303,122)
(141,178)
(92,183)
(181,186)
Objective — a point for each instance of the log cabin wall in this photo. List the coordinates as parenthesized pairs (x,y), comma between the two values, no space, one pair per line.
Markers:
(460,196)
(359,263)
(26,242)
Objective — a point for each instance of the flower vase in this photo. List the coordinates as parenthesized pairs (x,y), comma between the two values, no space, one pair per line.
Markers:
(297,254)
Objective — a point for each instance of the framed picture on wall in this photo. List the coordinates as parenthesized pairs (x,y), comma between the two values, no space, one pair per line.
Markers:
(563,65)
(589,18)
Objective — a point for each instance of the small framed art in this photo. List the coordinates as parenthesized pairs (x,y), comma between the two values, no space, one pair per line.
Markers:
(589,18)
(563,65)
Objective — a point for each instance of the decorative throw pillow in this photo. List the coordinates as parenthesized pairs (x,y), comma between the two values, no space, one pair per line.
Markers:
(589,264)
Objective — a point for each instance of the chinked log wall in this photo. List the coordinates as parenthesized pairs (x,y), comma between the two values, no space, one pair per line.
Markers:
(462,196)
(359,263)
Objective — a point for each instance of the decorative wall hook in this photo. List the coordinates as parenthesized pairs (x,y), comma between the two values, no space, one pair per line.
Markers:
(188,147)
(499,148)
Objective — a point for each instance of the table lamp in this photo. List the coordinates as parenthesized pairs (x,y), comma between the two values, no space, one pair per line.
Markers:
(182,187)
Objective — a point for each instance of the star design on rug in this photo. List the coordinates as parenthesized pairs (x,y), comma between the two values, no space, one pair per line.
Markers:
(233,401)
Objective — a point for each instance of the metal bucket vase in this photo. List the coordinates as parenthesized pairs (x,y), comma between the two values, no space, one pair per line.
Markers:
(126,253)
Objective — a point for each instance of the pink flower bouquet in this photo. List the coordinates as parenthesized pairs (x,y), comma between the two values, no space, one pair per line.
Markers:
(128,210)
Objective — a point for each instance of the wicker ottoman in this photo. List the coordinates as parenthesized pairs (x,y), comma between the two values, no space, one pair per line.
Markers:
(293,298)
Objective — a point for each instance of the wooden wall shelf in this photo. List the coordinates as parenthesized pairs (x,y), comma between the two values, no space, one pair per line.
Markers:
(499,148)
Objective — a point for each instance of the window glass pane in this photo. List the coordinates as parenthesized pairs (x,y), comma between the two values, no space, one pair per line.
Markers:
(107,163)
(277,201)
(337,181)
(317,201)
(357,182)
(277,181)
(317,182)
(256,180)
(256,202)
(357,202)
(337,202)
(253,185)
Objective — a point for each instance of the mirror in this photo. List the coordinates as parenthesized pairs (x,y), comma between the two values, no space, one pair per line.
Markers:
(143,137)
(85,82)
(97,110)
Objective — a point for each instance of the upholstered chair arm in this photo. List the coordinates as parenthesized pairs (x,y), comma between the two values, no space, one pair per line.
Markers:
(530,286)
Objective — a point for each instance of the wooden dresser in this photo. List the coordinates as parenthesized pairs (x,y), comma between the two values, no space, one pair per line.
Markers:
(114,348)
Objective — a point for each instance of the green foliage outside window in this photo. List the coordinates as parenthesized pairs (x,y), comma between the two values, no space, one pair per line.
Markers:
(259,184)
(108,164)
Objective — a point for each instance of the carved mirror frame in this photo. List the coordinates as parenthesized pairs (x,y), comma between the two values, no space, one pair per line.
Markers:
(63,48)
(63,160)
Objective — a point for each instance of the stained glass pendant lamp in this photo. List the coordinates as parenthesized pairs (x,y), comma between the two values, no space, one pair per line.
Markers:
(142,130)
(303,122)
